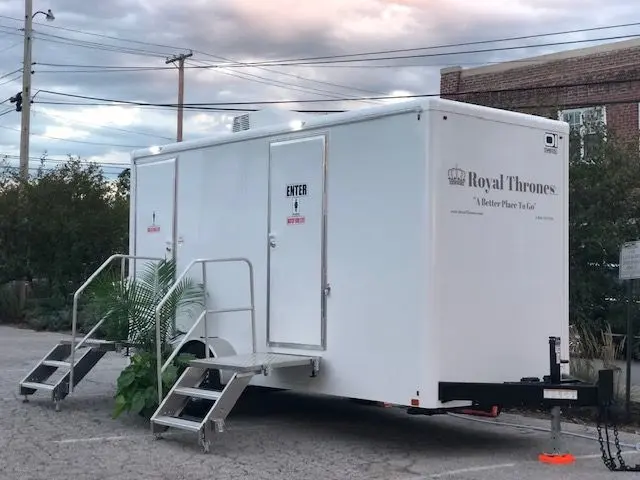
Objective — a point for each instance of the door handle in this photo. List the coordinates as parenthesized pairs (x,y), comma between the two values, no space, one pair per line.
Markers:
(272,240)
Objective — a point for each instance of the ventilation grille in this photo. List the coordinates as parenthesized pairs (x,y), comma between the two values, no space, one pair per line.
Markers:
(241,122)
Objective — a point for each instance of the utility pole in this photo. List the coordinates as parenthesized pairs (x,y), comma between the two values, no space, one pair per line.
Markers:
(25,108)
(26,90)
(180,59)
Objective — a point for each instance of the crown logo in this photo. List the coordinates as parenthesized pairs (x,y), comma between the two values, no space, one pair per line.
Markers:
(456,176)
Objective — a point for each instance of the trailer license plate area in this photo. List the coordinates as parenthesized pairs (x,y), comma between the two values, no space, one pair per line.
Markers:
(560,394)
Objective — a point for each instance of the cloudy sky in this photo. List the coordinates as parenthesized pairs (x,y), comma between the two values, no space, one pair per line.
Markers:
(116,51)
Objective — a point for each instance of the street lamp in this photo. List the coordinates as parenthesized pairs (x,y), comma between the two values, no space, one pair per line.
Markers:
(26,84)
(48,15)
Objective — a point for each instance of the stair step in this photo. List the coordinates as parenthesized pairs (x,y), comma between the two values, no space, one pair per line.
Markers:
(254,362)
(92,342)
(198,393)
(56,363)
(180,423)
(38,386)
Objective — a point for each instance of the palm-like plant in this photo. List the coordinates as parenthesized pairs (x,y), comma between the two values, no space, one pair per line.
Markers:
(130,305)
(130,310)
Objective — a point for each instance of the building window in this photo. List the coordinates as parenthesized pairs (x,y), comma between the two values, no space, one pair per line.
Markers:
(587,121)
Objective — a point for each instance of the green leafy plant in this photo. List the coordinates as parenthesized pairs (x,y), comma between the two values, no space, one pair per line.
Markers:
(129,308)
(137,385)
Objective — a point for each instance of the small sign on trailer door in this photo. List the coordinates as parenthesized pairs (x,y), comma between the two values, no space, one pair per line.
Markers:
(630,261)
(153,228)
(296,191)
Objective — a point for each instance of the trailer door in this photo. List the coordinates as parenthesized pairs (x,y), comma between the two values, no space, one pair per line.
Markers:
(296,243)
(154,217)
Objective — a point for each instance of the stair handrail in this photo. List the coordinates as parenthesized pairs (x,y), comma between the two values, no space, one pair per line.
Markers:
(204,262)
(74,312)
(184,340)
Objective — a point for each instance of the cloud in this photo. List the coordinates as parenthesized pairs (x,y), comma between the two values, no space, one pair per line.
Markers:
(139,35)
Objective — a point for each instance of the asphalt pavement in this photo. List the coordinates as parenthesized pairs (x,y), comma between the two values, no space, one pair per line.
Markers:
(268,436)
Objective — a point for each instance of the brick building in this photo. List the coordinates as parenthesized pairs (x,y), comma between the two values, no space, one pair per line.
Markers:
(600,83)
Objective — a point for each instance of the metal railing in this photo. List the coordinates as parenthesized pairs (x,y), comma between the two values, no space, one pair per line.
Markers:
(184,340)
(204,262)
(74,315)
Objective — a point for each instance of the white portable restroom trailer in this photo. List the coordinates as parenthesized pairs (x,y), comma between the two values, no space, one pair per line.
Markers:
(406,247)
(414,254)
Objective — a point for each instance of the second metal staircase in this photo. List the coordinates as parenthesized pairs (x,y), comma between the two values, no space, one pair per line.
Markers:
(53,373)
(244,367)
(71,359)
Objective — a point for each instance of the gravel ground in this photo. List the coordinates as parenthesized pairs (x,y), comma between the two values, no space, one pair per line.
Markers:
(269,436)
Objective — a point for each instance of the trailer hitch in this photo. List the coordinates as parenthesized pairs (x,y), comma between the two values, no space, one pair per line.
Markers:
(555,392)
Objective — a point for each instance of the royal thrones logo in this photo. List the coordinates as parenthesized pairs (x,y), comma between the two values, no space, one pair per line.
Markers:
(456,176)
(501,182)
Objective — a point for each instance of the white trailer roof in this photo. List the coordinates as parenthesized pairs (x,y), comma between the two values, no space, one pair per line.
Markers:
(419,105)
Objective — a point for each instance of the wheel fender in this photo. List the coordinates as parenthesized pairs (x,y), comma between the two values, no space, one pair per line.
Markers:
(218,347)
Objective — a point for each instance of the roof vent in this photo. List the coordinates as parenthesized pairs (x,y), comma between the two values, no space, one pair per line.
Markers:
(268,117)
(241,122)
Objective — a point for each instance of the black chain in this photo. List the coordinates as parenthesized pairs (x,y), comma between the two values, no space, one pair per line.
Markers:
(607,456)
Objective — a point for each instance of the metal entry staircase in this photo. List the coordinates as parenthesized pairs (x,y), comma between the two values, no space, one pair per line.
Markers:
(54,373)
(170,412)
(57,361)
(188,386)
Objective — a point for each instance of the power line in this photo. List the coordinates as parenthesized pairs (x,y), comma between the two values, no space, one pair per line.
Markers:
(58,161)
(322,82)
(341,58)
(106,127)
(46,157)
(10,73)
(94,45)
(328,63)
(465,44)
(9,47)
(74,141)
(430,55)
(413,49)
(336,58)
(346,99)
(101,35)
(243,75)
(99,45)
(45,169)
(4,157)
(320,61)
(5,30)
(276,83)
(111,103)
(10,80)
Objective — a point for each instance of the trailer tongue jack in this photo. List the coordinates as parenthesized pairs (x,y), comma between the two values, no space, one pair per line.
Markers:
(552,392)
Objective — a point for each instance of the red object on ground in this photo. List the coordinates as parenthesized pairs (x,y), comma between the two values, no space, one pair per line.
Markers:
(493,413)
(565,459)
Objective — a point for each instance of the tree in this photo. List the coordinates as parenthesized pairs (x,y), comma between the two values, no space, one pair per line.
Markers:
(123,183)
(604,199)
(60,224)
